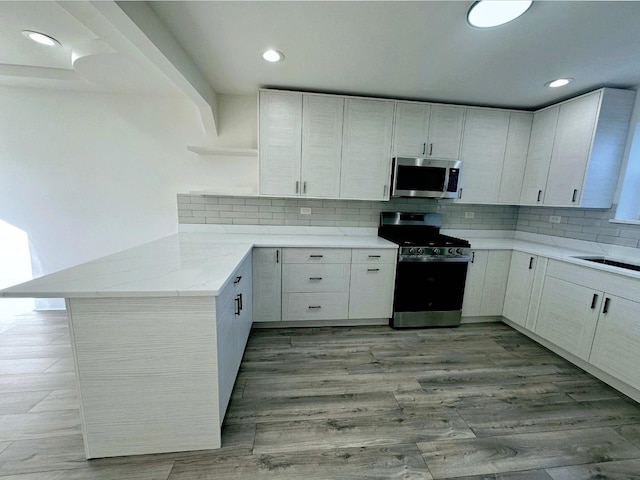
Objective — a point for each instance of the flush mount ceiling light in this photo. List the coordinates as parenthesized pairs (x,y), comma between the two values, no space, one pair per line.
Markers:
(41,38)
(272,56)
(491,13)
(560,82)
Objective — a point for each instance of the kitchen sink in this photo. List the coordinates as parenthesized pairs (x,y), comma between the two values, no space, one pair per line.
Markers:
(613,263)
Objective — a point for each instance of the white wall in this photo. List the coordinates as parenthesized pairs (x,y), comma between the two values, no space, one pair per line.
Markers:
(85,175)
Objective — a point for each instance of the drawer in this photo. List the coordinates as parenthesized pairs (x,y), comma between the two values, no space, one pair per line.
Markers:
(316,255)
(329,277)
(374,255)
(314,306)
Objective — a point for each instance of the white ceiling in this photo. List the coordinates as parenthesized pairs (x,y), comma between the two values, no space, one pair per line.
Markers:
(415,50)
(401,49)
(103,61)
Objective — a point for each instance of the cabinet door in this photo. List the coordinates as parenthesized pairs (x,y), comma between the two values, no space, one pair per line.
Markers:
(445,132)
(472,302)
(568,315)
(280,143)
(483,148)
(321,145)
(226,352)
(616,346)
(574,135)
(371,294)
(518,294)
(543,131)
(245,319)
(495,282)
(267,288)
(366,149)
(411,127)
(515,158)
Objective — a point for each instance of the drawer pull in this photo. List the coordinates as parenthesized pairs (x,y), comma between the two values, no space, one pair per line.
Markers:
(237,280)
(594,301)
(606,305)
(316,256)
(575,195)
(237,300)
(315,278)
(374,256)
(539,195)
(373,269)
(530,263)
(314,307)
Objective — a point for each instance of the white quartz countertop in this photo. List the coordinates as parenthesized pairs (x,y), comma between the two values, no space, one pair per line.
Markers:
(184,264)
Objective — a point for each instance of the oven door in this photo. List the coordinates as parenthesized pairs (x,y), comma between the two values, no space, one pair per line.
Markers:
(429,293)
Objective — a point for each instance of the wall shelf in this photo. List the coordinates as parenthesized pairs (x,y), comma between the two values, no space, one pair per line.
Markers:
(224,151)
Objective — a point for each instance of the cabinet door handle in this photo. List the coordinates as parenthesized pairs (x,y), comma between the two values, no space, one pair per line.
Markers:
(373,269)
(473,257)
(297,186)
(237,300)
(605,309)
(374,256)
(240,298)
(460,194)
(384,191)
(237,280)
(575,195)
(315,278)
(277,256)
(539,195)
(530,263)
(304,187)
(314,307)
(316,256)
(424,148)
(431,149)
(594,301)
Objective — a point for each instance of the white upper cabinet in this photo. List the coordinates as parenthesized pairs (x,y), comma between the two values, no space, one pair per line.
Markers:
(300,144)
(580,166)
(424,130)
(411,129)
(280,142)
(321,145)
(543,132)
(366,149)
(483,146)
(515,157)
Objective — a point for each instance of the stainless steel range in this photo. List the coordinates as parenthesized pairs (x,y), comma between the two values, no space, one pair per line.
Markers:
(431,271)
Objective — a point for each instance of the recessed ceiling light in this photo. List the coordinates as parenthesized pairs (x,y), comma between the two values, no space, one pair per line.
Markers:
(41,38)
(560,82)
(491,13)
(272,55)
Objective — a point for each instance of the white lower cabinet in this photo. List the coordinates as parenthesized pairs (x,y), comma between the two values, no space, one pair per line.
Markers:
(595,316)
(373,274)
(486,283)
(568,315)
(267,285)
(524,286)
(616,345)
(233,324)
(309,284)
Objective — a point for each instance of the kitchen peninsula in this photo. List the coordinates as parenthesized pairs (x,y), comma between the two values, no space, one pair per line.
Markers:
(158,332)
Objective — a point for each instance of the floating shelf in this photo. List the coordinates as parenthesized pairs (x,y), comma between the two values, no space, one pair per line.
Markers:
(227,151)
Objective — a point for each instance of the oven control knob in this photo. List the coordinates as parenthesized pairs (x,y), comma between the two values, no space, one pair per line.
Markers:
(412,251)
(452,251)
(419,251)
(459,251)
(436,251)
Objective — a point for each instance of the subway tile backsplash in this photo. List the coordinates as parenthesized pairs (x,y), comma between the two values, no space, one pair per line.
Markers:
(336,213)
(580,224)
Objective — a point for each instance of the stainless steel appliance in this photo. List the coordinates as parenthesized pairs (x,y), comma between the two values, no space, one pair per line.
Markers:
(424,177)
(431,270)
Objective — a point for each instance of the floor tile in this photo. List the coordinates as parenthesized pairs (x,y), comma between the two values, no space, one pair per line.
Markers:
(621,470)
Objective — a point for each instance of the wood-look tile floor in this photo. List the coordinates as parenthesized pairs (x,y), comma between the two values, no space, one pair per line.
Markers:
(476,402)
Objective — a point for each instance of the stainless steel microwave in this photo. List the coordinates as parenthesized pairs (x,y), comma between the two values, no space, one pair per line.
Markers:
(424,177)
